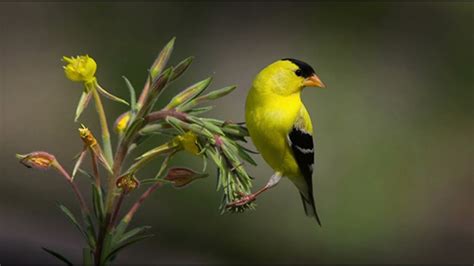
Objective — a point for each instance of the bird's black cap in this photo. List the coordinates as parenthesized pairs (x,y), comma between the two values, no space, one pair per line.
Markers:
(305,70)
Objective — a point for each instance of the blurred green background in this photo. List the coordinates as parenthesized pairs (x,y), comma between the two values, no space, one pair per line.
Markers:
(394,128)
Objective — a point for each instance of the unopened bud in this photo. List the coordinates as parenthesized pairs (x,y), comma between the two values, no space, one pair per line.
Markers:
(122,122)
(39,160)
(182,176)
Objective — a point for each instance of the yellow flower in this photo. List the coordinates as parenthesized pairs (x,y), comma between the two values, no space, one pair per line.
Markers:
(80,68)
(188,141)
(122,122)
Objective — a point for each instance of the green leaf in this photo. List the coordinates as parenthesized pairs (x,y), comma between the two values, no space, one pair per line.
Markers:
(210,126)
(162,59)
(87,256)
(199,110)
(136,125)
(210,96)
(153,128)
(204,162)
(181,68)
(92,178)
(189,93)
(78,162)
(57,255)
(133,97)
(119,230)
(164,165)
(175,123)
(82,104)
(106,248)
(218,93)
(126,244)
(71,217)
(110,95)
(245,156)
(98,202)
(133,232)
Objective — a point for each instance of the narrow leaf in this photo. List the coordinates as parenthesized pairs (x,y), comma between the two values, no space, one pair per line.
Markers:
(126,244)
(71,217)
(245,156)
(57,255)
(189,93)
(82,104)
(133,232)
(174,122)
(84,172)
(218,93)
(181,68)
(79,162)
(110,95)
(133,97)
(97,200)
(87,256)
(199,110)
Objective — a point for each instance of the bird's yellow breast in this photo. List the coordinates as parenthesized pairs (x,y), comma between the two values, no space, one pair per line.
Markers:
(270,117)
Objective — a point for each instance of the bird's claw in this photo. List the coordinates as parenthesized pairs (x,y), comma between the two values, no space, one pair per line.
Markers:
(243,200)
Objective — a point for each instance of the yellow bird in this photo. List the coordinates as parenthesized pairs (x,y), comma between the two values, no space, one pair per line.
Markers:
(280,126)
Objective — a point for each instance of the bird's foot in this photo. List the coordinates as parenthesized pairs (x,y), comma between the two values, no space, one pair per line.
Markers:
(243,200)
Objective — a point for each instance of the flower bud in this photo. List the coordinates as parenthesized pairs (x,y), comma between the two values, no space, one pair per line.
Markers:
(127,183)
(39,160)
(182,176)
(80,68)
(188,142)
(122,122)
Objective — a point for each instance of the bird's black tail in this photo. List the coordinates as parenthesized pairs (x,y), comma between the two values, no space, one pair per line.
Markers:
(310,207)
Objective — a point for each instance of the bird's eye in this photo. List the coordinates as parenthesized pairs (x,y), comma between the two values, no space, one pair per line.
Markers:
(298,72)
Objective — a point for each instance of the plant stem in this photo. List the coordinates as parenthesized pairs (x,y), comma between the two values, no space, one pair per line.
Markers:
(95,169)
(162,114)
(77,192)
(103,124)
(128,217)
(113,219)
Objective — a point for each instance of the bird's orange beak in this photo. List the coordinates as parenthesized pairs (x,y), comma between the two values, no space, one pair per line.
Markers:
(313,81)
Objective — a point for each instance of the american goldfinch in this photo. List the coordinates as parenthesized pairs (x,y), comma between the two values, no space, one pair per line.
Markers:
(280,126)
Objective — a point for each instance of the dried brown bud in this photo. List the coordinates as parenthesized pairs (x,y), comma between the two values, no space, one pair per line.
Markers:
(38,159)
(87,137)
(127,183)
(182,176)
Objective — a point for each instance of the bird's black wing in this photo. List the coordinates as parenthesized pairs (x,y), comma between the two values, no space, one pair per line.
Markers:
(301,143)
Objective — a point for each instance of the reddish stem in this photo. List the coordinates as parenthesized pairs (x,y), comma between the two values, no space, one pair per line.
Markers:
(76,190)
(113,219)
(139,202)
(95,169)
(162,114)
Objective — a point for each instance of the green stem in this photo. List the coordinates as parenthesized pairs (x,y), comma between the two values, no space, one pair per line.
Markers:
(103,123)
